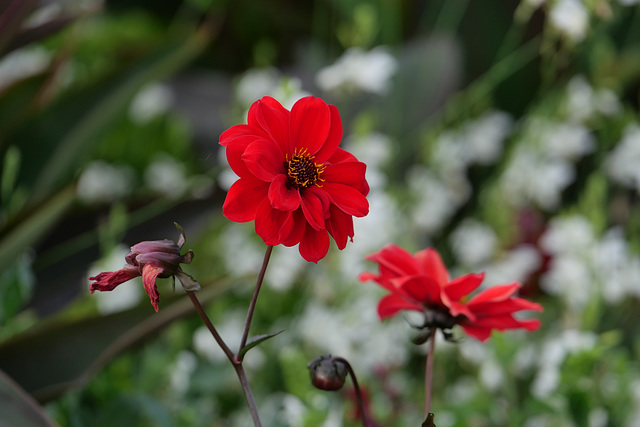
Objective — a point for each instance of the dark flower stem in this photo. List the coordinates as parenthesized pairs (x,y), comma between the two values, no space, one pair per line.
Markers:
(363,411)
(428,375)
(235,362)
(254,300)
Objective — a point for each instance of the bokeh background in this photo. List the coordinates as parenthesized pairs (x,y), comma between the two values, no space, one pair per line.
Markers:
(503,133)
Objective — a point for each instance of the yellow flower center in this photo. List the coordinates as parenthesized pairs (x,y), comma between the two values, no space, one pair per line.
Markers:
(302,170)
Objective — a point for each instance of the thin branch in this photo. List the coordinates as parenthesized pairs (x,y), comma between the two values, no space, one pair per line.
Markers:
(428,376)
(359,397)
(254,299)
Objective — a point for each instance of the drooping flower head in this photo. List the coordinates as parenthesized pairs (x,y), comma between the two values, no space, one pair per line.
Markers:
(153,259)
(295,182)
(421,282)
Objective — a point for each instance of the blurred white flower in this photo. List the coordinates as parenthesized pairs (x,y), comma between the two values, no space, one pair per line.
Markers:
(483,138)
(122,297)
(151,101)
(571,18)
(437,200)
(473,242)
(531,176)
(241,255)
(366,71)
(181,371)
(101,182)
(513,266)
(372,149)
(491,375)
(568,235)
(570,277)
(583,101)
(622,165)
(284,266)
(165,175)
(598,417)
(22,63)
(553,353)
(256,83)
(567,140)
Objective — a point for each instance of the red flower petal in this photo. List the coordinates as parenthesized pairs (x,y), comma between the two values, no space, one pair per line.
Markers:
(273,118)
(348,199)
(392,304)
(495,293)
(334,138)
(348,173)
(395,260)
(462,286)
(508,306)
(264,159)
(432,265)
(149,275)
(243,199)
(479,333)
(314,244)
(109,280)
(269,221)
(340,226)
(293,228)
(419,288)
(340,156)
(282,196)
(310,124)
(315,203)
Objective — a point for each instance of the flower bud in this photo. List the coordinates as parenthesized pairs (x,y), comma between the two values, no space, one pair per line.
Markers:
(327,373)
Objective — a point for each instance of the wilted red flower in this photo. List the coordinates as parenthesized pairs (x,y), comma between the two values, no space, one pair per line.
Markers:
(421,282)
(158,258)
(295,182)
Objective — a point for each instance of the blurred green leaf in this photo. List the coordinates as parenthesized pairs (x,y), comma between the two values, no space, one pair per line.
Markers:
(21,233)
(58,355)
(18,409)
(16,285)
(254,341)
(74,125)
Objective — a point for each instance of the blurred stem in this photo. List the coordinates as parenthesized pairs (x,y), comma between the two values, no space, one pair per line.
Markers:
(428,375)
(254,299)
(356,387)
(235,361)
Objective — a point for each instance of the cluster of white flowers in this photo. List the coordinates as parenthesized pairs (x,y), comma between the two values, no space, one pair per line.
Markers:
(151,101)
(102,182)
(622,163)
(366,71)
(542,165)
(259,82)
(584,266)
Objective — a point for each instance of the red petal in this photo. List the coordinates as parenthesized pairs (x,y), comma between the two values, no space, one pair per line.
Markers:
(495,293)
(341,155)
(314,244)
(419,288)
(149,275)
(392,304)
(108,281)
(269,221)
(340,226)
(293,228)
(348,199)
(315,203)
(273,118)
(508,306)
(349,173)
(463,286)
(264,159)
(395,260)
(282,196)
(334,138)
(432,265)
(310,123)
(477,332)
(243,199)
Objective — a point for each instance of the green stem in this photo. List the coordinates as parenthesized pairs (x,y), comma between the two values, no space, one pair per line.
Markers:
(252,305)
(235,362)
(428,375)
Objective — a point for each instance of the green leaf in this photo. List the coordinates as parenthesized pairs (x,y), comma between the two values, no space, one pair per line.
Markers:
(254,341)
(23,232)
(18,409)
(64,353)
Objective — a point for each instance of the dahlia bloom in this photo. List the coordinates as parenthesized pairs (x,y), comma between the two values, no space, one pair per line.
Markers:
(421,282)
(153,259)
(295,182)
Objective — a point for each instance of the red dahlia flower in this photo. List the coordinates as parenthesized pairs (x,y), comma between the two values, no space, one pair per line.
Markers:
(421,282)
(158,258)
(295,182)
